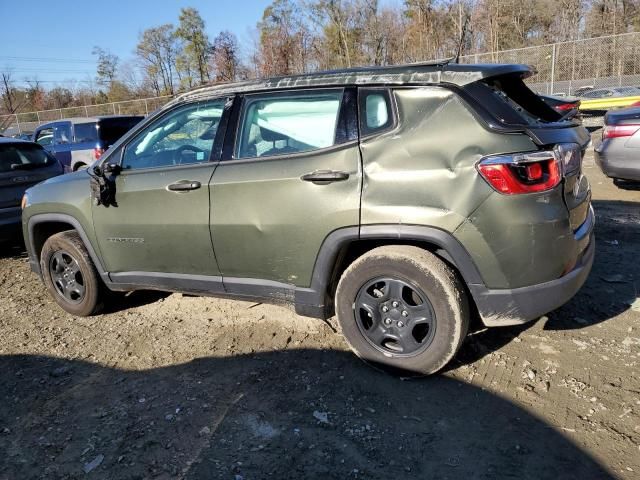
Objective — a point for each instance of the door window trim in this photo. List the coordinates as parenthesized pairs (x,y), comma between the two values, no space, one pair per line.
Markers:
(216,149)
(346,134)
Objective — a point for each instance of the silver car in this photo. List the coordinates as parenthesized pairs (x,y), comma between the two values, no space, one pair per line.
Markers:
(619,153)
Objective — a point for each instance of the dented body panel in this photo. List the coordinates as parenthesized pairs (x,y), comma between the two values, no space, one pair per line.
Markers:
(272,228)
(424,170)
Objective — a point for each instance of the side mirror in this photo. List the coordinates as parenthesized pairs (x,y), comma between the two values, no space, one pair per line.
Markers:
(111,168)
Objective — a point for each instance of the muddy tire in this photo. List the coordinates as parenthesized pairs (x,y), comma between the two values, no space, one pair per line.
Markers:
(403,309)
(69,274)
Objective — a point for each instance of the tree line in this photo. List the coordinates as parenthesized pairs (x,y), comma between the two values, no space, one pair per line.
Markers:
(298,36)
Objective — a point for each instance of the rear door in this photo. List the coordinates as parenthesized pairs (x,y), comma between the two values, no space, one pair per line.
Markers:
(289,177)
(85,139)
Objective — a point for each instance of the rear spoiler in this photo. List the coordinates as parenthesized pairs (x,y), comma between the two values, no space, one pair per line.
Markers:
(463,74)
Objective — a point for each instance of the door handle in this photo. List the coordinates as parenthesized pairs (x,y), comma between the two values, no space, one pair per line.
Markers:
(184,186)
(325,176)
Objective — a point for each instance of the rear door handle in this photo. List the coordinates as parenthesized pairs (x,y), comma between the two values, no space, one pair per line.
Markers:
(184,186)
(325,176)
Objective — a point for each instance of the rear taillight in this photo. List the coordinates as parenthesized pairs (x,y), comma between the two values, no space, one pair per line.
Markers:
(97,152)
(616,131)
(522,172)
(565,107)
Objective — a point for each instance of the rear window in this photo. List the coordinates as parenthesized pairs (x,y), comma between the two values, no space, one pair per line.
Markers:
(86,132)
(26,156)
(511,102)
(111,129)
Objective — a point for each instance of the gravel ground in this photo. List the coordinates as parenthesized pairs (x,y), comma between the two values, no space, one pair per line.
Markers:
(172,386)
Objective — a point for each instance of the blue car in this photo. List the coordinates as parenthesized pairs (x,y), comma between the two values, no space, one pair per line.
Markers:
(78,142)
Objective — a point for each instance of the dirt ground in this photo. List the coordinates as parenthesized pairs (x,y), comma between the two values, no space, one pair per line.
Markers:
(171,386)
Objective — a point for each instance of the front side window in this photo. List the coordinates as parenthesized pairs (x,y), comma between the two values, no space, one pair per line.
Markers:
(182,137)
(288,123)
(45,137)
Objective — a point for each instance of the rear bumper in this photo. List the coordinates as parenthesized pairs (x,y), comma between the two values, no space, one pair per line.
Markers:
(616,162)
(517,306)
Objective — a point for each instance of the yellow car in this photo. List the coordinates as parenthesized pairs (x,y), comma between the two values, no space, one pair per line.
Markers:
(598,101)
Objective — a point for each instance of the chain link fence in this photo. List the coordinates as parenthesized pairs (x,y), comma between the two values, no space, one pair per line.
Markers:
(27,122)
(567,67)
(563,69)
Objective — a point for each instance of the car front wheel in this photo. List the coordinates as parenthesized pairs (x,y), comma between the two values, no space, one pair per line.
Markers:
(69,274)
(402,308)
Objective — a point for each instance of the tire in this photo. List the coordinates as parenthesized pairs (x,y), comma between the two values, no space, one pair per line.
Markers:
(79,166)
(65,254)
(411,345)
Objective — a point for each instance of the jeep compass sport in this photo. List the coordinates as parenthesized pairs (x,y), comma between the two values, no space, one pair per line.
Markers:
(403,199)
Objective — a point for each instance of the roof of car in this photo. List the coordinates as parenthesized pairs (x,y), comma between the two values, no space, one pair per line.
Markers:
(78,120)
(411,74)
(12,140)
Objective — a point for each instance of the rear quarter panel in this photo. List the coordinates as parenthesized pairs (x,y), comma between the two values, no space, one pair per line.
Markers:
(424,171)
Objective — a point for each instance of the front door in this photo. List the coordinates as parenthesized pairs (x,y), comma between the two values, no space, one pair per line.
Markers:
(291,178)
(159,230)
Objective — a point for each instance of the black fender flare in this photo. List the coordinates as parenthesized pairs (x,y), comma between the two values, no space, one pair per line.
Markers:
(40,218)
(448,247)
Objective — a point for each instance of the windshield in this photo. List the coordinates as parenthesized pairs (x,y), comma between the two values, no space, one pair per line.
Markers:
(18,156)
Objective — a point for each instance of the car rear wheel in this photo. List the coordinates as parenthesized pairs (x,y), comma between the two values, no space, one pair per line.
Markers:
(402,308)
(69,274)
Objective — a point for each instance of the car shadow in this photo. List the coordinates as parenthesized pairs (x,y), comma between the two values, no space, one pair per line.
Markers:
(11,246)
(614,282)
(118,301)
(610,289)
(286,415)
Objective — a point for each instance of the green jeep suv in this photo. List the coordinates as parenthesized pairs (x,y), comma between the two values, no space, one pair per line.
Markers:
(405,200)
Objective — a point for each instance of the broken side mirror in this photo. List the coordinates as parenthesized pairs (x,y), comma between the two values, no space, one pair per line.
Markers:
(111,169)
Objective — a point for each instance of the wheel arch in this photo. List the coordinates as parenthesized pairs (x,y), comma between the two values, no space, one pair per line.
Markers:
(344,245)
(42,226)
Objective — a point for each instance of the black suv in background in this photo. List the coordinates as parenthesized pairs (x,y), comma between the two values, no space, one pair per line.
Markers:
(22,165)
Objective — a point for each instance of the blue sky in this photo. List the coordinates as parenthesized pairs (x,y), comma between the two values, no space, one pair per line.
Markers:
(65,31)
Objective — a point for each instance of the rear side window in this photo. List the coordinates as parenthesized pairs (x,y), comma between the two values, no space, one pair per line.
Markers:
(288,123)
(86,132)
(111,129)
(22,157)
(375,111)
